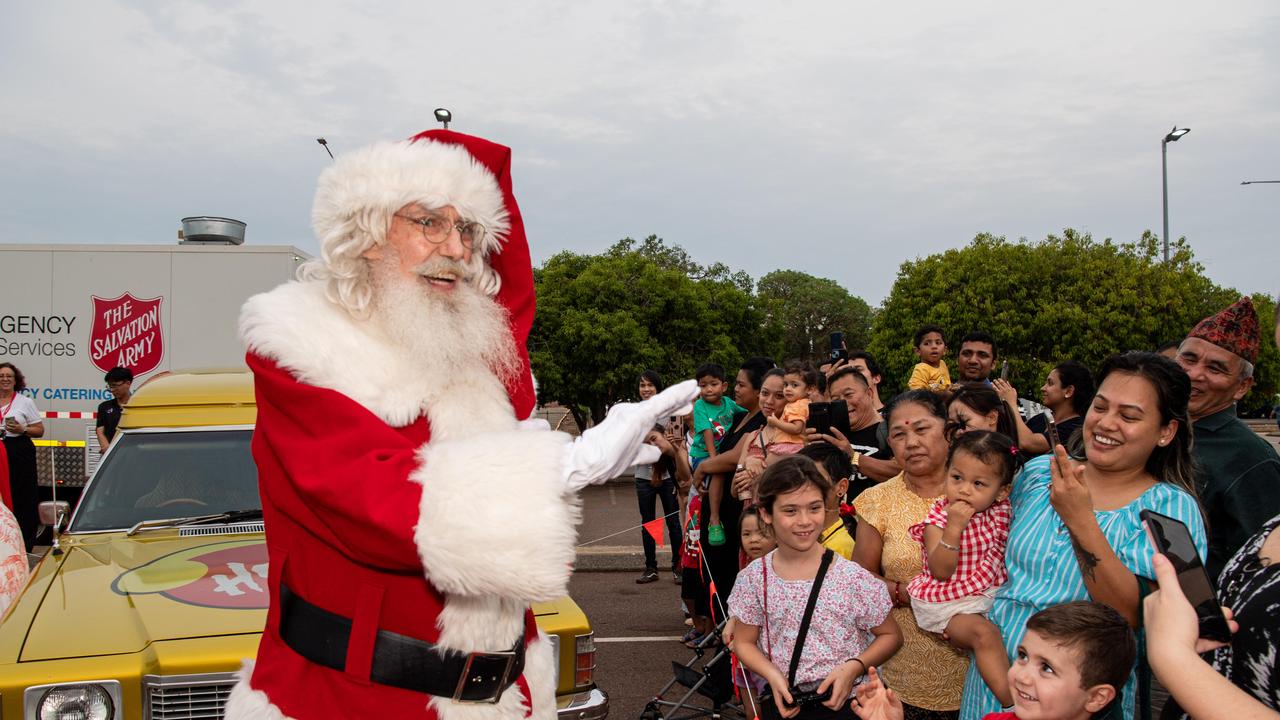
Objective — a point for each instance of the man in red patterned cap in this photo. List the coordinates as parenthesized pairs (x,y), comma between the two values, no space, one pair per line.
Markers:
(413,512)
(1239,480)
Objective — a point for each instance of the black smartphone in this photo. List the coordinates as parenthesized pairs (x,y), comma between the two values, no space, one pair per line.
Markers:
(820,417)
(840,418)
(838,351)
(1172,539)
(1054,440)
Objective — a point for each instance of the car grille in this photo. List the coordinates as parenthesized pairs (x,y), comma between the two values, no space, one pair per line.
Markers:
(186,697)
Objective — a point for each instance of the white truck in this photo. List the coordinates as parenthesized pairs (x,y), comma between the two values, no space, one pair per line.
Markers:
(69,313)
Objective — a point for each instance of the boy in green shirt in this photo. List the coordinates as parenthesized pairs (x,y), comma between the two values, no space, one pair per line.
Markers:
(712,419)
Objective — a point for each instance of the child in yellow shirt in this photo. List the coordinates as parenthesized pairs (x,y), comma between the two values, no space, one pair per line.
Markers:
(931,372)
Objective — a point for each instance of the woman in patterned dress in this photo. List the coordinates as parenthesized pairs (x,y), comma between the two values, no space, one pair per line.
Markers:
(1076,533)
(1250,586)
(926,673)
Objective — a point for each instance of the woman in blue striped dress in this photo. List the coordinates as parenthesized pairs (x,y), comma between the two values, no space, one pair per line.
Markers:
(1076,534)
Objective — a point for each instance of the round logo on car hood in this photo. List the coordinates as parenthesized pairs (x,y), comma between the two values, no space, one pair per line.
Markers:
(230,575)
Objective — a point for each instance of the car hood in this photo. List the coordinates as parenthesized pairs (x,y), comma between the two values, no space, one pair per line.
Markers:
(112,594)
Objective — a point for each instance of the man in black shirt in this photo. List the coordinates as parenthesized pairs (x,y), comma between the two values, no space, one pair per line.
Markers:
(119,381)
(872,461)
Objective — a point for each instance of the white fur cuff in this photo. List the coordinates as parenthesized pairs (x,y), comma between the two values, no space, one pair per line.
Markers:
(245,703)
(495,518)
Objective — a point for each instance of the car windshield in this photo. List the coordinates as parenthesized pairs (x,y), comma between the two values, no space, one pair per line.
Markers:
(162,475)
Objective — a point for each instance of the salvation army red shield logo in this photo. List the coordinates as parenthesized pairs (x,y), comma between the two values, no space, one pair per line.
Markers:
(126,333)
(230,575)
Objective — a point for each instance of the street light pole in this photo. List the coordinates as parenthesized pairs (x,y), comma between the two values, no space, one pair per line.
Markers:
(1164,178)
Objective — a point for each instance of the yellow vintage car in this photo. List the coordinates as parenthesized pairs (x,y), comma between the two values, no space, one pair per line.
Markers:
(155,593)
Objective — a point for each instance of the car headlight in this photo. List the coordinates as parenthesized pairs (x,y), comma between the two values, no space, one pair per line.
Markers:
(83,701)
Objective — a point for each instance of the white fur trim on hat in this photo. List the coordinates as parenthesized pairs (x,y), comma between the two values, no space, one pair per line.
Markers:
(389,175)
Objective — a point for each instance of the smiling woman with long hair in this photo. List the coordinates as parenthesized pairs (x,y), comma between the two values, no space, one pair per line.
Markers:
(1076,533)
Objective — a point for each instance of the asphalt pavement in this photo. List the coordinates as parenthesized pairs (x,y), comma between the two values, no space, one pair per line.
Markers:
(609,536)
(637,631)
(637,627)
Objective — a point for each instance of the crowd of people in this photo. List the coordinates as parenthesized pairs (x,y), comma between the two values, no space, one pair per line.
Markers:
(981,553)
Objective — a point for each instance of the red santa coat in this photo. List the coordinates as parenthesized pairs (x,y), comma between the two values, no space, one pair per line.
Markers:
(404,500)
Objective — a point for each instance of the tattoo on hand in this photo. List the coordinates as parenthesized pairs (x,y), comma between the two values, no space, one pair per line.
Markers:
(1087,560)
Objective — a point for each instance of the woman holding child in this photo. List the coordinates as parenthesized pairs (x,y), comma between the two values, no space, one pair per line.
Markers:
(926,673)
(1076,534)
(723,559)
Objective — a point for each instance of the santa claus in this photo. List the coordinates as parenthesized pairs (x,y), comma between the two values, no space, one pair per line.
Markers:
(413,512)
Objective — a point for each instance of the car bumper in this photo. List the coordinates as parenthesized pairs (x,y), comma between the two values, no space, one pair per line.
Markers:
(591,705)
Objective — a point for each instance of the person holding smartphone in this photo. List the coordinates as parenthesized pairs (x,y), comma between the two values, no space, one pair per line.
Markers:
(1085,516)
(1240,678)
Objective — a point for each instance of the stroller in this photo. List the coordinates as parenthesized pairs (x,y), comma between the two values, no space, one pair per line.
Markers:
(707,676)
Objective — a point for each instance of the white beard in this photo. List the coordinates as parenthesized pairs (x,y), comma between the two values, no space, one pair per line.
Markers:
(448,332)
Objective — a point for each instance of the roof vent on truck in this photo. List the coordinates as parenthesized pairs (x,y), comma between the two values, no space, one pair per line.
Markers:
(210,230)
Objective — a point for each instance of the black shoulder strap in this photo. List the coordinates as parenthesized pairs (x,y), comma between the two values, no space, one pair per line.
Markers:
(808,616)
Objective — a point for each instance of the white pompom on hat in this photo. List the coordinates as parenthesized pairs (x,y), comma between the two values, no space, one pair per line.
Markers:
(389,175)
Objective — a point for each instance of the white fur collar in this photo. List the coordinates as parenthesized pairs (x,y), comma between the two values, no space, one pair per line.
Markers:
(321,344)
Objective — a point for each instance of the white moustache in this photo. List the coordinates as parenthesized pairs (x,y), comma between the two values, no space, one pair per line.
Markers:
(444,268)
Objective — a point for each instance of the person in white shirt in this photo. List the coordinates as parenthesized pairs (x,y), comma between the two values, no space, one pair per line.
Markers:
(22,422)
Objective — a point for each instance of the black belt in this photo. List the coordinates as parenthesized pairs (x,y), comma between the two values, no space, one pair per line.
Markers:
(399,660)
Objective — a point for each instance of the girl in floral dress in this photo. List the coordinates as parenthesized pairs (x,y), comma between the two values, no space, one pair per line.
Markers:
(852,627)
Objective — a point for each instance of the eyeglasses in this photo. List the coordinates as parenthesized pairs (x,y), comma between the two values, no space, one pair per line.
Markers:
(118,385)
(436,229)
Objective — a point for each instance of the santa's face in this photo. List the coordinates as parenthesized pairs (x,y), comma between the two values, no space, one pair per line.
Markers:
(407,242)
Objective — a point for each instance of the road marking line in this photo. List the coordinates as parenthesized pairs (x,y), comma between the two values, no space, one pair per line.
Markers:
(665,638)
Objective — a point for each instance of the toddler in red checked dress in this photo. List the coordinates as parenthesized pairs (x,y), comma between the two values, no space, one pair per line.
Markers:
(963,541)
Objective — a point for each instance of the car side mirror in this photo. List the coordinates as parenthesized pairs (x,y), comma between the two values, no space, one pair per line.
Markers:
(54,514)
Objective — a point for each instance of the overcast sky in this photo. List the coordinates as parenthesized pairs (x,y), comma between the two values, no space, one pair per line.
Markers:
(837,138)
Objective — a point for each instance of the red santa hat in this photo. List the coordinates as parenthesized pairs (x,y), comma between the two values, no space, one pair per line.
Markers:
(1234,329)
(435,168)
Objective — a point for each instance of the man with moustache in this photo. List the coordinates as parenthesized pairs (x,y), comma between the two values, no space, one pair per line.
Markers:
(1239,479)
(413,511)
(871,457)
(976,357)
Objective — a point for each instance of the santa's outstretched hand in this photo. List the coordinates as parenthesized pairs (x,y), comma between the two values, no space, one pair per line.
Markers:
(608,449)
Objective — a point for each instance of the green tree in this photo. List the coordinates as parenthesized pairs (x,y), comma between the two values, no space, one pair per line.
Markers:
(603,319)
(804,310)
(1065,297)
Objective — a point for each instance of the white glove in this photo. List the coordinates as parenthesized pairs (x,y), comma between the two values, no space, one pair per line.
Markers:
(608,449)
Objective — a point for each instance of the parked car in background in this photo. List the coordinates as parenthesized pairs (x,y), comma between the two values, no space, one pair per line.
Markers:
(156,592)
